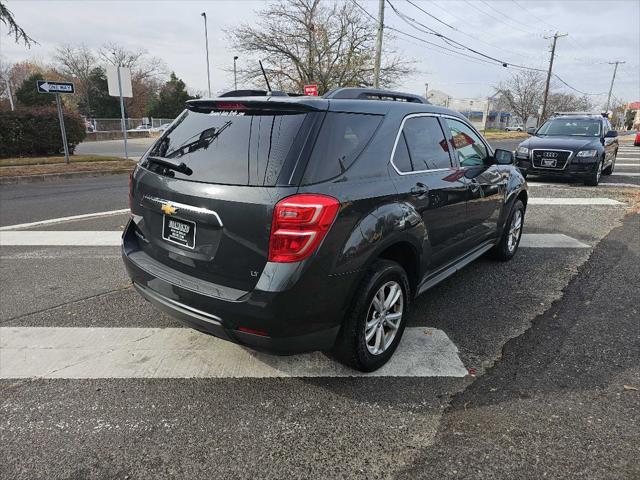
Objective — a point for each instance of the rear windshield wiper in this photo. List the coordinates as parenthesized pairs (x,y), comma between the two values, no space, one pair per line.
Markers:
(171,164)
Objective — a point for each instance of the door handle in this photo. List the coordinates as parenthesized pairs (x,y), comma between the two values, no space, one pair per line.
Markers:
(419,190)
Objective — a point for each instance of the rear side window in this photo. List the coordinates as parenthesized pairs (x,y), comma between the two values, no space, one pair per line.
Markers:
(342,138)
(246,148)
(426,146)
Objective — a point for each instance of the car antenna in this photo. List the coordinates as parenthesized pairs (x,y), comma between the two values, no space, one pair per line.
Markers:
(264,74)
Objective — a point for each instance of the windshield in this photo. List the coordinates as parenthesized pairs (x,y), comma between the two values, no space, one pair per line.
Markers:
(570,127)
(247,148)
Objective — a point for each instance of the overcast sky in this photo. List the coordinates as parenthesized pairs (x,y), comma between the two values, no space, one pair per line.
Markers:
(513,30)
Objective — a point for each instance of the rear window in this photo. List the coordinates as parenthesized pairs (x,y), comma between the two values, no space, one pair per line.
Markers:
(234,148)
(342,138)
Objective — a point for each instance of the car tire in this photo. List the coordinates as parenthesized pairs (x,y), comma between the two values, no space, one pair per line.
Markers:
(594,178)
(511,234)
(352,347)
(609,170)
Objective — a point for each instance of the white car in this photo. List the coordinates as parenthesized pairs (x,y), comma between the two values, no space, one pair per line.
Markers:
(514,128)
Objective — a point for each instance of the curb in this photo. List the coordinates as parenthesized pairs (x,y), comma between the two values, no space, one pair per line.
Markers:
(46,177)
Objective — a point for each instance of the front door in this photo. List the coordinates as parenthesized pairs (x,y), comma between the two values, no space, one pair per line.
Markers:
(486,181)
(432,186)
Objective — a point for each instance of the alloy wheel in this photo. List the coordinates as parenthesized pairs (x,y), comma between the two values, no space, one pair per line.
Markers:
(384,317)
(514,230)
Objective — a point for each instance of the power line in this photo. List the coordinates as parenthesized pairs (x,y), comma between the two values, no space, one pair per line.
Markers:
(513,20)
(504,63)
(458,30)
(495,18)
(487,60)
(555,75)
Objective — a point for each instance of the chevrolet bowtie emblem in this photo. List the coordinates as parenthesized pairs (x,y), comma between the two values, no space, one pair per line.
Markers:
(168,208)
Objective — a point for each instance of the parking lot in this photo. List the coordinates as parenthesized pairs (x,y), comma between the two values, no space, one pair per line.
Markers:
(525,369)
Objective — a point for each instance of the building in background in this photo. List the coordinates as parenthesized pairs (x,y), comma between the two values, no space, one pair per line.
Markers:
(474,109)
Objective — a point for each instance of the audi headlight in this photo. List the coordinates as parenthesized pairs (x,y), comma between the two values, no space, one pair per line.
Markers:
(524,151)
(587,153)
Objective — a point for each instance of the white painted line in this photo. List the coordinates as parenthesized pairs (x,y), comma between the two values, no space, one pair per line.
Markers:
(63,238)
(64,219)
(611,184)
(550,240)
(44,352)
(627,164)
(573,201)
(618,174)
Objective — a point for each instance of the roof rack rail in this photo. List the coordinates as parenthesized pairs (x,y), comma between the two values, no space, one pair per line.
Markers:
(373,94)
(255,93)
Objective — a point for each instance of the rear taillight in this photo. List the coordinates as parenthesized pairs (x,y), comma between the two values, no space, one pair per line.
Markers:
(300,222)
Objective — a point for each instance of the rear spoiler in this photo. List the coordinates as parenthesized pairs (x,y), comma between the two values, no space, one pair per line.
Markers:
(273,104)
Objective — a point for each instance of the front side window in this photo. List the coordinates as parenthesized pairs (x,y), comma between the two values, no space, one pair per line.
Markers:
(421,146)
(571,127)
(469,147)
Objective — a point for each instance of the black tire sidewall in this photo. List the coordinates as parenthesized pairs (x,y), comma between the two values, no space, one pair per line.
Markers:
(503,252)
(351,347)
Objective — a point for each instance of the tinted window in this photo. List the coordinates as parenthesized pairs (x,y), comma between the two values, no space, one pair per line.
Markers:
(342,138)
(246,148)
(428,148)
(401,158)
(582,127)
(469,148)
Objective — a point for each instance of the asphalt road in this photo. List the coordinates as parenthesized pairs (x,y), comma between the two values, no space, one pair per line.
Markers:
(550,339)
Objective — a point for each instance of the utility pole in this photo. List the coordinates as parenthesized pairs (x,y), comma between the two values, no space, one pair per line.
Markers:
(426,91)
(206,41)
(615,69)
(376,68)
(546,88)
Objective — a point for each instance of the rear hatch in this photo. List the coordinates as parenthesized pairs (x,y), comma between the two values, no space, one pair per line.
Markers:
(211,219)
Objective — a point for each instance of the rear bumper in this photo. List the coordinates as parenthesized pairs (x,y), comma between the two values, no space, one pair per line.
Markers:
(296,320)
(574,169)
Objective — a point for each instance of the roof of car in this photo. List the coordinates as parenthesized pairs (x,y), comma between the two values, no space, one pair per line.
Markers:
(368,105)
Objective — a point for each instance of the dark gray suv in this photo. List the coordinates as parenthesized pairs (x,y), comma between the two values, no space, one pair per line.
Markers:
(291,224)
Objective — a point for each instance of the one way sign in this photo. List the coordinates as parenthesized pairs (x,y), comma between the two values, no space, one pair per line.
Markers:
(46,86)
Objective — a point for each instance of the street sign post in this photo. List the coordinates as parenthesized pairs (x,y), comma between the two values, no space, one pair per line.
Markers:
(119,85)
(56,88)
(311,90)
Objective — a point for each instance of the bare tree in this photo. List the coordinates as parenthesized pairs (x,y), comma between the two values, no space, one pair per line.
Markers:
(142,66)
(76,64)
(15,30)
(309,41)
(567,102)
(523,93)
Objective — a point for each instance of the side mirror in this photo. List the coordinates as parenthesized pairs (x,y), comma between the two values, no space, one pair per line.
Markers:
(531,130)
(611,134)
(503,157)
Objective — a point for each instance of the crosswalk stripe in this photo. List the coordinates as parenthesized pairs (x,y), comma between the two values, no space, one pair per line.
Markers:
(627,164)
(112,239)
(60,238)
(50,221)
(573,201)
(625,174)
(44,352)
(550,240)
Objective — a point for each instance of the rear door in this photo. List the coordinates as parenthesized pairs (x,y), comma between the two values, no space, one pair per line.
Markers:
(214,222)
(487,182)
(427,180)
